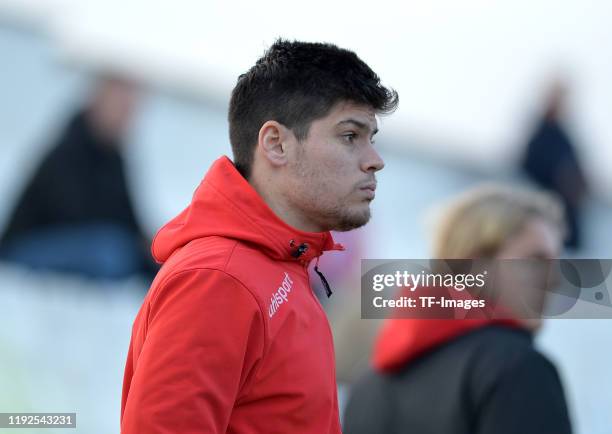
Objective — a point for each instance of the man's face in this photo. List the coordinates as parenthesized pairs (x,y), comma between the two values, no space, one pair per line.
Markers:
(331,174)
(113,107)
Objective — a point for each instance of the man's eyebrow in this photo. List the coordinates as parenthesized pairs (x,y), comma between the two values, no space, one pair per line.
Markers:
(358,124)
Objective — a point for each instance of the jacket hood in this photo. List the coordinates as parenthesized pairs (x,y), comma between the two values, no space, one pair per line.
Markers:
(226,205)
(402,340)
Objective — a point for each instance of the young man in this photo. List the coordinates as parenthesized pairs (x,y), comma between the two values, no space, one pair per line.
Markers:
(230,338)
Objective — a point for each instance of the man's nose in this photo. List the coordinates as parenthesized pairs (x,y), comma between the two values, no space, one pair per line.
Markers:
(372,161)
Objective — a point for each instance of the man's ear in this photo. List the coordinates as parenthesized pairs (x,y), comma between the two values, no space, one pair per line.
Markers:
(272,142)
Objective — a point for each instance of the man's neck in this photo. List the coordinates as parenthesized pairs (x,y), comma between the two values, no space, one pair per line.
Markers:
(282,208)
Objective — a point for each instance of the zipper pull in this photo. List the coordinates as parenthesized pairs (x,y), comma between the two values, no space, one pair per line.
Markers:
(328,290)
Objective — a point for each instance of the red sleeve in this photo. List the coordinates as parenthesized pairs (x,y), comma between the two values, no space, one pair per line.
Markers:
(204,338)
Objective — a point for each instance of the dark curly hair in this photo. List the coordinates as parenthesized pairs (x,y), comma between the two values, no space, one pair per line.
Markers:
(295,83)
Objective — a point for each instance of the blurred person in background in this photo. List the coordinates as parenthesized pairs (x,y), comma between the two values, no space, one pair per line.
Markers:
(230,337)
(75,214)
(470,376)
(551,161)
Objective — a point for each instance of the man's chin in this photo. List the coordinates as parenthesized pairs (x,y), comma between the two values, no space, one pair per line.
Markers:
(352,221)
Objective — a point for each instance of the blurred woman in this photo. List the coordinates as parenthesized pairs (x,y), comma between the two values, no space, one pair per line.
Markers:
(477,376)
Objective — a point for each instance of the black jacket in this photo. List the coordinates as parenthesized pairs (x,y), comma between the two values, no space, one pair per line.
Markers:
(552,162)
(488,381)
(81,180)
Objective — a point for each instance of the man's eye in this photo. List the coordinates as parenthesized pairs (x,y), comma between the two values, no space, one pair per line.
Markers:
(350,137)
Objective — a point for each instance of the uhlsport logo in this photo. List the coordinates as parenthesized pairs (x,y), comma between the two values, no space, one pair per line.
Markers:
(281,295)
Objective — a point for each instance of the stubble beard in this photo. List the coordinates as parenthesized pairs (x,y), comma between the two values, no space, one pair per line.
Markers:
(346,221)
(336,216)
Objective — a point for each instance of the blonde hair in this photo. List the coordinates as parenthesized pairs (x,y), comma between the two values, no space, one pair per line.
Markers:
(477,223)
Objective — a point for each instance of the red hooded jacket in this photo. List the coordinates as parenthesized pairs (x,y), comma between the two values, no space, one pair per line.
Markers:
(230,337)
(401,340)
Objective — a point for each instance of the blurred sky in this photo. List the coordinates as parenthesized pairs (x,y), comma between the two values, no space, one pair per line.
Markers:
(470,74)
